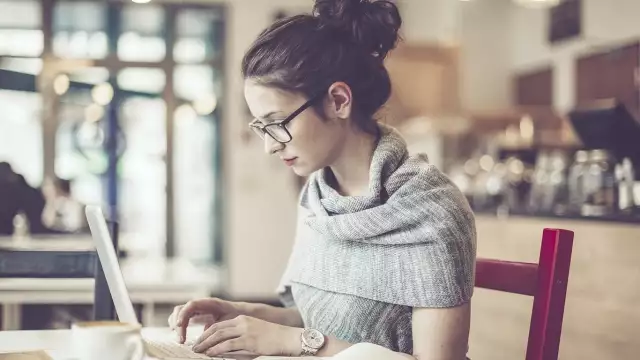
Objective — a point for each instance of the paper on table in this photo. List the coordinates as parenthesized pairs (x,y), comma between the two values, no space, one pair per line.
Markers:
(367,351)
(32,355)
(361,351)
(291,358)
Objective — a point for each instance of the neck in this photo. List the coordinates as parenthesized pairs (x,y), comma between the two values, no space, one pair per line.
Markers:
(351,169)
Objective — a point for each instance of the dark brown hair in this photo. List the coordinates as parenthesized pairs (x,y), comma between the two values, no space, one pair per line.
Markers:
(342,40)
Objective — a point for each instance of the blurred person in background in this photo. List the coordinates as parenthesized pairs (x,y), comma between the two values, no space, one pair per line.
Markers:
(385,245)
(18,197)
(9,202)
(62,212)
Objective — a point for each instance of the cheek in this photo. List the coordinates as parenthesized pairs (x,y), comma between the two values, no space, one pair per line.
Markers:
(314,141)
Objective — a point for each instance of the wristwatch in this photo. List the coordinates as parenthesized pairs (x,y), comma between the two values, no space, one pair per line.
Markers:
(312,341)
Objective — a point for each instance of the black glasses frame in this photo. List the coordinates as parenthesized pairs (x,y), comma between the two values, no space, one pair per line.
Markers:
(263,130)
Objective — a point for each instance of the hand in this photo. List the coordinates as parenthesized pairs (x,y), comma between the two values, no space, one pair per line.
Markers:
(245,333)
(209,311)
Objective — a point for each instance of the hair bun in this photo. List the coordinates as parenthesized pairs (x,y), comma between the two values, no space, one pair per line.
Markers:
(372,25)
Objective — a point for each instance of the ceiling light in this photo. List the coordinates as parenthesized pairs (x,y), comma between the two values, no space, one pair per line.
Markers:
(527,127)
(141,1)
(205,105)
(486,162)
(102,94)
(61,84)
(537,4)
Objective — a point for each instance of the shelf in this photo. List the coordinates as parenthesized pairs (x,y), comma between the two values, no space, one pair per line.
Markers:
(623,219)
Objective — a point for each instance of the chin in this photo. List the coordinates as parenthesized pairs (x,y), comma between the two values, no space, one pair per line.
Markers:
(303,171)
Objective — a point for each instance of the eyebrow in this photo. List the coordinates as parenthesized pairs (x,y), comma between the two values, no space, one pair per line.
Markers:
(268,116)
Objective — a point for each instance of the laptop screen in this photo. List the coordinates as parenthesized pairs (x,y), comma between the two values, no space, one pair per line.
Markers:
(110,266)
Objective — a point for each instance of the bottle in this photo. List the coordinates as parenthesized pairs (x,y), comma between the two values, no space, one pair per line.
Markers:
(557,194)
(600,185)
(20,226)
(576,181)
(540,183)
(626,178)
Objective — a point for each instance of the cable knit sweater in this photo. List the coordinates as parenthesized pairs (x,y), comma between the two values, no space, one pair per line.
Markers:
(360,264)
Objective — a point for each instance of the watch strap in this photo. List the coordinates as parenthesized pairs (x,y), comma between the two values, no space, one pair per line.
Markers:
(308,351)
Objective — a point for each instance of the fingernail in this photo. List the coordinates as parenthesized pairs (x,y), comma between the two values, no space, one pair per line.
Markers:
(181,338)
(196,348)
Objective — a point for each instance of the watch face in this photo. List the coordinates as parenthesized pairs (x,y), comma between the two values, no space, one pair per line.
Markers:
(313,338)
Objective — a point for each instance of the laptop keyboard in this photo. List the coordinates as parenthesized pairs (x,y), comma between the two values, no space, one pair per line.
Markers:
(171,349)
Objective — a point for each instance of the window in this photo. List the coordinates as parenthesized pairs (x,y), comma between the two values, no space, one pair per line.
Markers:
(21,43)
(21,28)
(142,34)
(80,30)
(146,80)
(142,176)
(21,134)
(123,87)
(199,34)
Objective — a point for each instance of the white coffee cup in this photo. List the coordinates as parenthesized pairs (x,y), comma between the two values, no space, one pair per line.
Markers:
(107,340)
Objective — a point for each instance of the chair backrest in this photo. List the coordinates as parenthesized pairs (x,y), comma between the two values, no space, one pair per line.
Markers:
(546,281)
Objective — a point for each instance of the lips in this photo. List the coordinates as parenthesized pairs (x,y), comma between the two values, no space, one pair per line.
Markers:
(289,161)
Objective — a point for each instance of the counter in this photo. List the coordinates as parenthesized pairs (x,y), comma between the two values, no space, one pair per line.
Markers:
(601,312)
(614,218)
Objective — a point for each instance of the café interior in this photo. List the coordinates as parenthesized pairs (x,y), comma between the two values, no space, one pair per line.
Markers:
(531,107)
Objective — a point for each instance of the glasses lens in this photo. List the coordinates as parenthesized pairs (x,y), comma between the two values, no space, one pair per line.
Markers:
(278,132)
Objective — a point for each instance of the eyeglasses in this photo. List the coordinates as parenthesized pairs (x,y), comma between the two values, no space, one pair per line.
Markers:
(278,130)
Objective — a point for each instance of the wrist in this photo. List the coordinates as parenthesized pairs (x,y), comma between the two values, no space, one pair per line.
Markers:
(243,308)
(294,342)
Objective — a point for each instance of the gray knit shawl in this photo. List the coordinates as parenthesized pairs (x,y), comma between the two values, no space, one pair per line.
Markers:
(410,241)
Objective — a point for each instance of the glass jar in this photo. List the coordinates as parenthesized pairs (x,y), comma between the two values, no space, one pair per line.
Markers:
(599,184)
(540,182)
(556,195)
(576,181)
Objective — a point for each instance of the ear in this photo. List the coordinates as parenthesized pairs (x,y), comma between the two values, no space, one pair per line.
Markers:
(340,100)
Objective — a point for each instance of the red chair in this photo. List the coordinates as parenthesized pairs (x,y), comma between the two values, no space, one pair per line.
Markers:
(546,281)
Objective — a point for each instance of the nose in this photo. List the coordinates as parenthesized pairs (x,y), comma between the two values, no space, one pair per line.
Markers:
(271,146)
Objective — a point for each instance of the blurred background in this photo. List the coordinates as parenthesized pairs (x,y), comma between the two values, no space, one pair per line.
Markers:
(531,107)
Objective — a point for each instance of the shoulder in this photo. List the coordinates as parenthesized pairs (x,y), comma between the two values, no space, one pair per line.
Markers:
(418,175)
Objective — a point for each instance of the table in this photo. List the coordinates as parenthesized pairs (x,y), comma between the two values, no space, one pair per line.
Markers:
(149,280)
(56,343)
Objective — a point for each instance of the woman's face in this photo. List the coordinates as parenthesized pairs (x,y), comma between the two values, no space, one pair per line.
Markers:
(315,142)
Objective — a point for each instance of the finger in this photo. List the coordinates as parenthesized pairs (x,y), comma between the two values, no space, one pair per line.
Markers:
(172,318)
(203,319)
(227,347)
(184,316)
(218,337)
(214,328)
(208,324)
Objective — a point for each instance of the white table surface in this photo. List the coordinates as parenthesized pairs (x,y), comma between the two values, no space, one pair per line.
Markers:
(57,343)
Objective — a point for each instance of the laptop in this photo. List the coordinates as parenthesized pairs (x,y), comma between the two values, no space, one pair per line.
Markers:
(160,348)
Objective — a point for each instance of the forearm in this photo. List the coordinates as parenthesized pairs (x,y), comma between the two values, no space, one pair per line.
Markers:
(283,316)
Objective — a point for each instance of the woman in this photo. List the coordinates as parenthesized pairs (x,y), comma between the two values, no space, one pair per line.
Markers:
(385,245)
